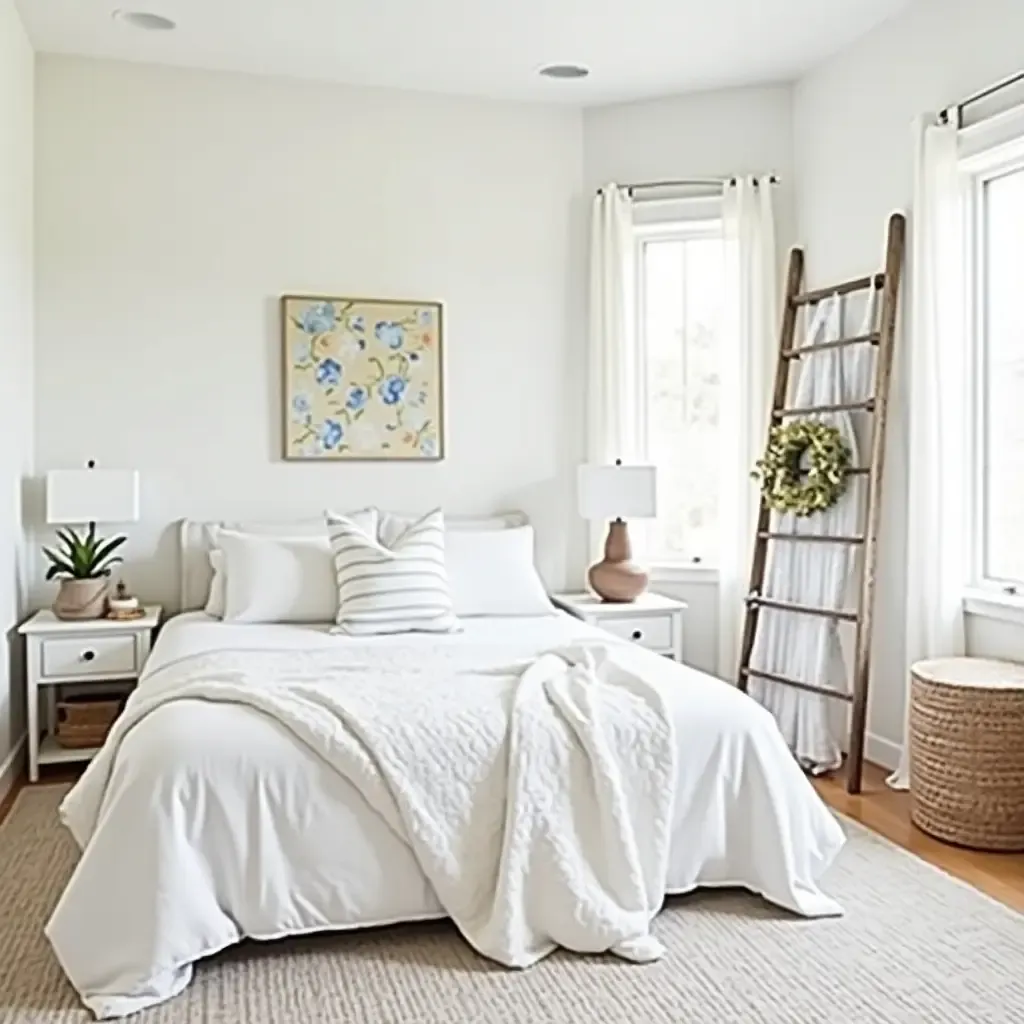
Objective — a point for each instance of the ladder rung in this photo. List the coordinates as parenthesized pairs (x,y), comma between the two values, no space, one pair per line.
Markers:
(756,601)
(867,406)
(753,673)
(824,346)
(856,285)
(814,538)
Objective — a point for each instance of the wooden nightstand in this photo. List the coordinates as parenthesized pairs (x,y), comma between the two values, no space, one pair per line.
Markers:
(653,621)
(94,651)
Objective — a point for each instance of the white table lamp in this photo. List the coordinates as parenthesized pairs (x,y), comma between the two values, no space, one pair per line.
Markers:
(615,493)
(92,496)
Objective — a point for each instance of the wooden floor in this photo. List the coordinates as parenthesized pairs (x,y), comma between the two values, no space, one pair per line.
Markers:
(879,808)
(887,812)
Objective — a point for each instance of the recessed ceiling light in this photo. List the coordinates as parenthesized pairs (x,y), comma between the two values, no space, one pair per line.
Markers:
(145,20)
(564,71)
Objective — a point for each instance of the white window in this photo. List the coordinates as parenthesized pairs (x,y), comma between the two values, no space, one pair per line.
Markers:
(996,301)
(680,307)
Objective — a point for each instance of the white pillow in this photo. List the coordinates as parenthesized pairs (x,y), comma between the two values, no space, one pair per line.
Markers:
(296,530)
(215,602)
(401,588)
(393,524)
(491,572)
(277,579)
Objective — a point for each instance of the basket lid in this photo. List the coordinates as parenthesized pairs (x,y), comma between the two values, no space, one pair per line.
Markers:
(983,673)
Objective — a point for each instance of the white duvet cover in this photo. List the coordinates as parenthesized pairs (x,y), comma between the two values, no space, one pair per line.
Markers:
(216,821)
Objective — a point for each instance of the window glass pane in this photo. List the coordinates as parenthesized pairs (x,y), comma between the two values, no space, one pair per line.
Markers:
(682,284)
(1003,380)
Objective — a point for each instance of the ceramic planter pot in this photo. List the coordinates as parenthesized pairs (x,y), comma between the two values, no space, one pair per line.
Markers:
(82,599)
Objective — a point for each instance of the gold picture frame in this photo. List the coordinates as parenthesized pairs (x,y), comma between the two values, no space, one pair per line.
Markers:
(363,379)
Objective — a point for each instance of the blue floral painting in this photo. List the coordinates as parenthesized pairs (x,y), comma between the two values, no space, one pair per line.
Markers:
(302,408)
(330,434)
(391,389)
(363,379)
(390,333)
(357,397)
(328,373)
(318,318)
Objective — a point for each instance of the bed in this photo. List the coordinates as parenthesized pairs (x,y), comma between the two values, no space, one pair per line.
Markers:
(217,825)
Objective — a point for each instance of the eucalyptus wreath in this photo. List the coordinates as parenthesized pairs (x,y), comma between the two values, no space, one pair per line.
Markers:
(804,468)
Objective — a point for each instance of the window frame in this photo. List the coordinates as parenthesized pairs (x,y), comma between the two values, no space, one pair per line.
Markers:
(977,171)
(683,220)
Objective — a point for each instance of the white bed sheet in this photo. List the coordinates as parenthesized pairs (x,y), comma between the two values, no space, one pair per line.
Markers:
(251,803)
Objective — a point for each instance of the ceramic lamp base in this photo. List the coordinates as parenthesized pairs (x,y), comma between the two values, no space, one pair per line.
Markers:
(615,578)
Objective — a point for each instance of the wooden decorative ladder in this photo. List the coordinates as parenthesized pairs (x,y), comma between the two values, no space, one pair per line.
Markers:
(888,283)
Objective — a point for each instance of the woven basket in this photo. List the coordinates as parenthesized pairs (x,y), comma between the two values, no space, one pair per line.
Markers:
(85,721)
(967,752)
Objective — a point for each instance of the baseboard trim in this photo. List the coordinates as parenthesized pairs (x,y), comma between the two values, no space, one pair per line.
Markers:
(12,767)
(878,750)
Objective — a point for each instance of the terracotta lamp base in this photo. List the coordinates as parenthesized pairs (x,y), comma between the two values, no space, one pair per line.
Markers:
(616,579)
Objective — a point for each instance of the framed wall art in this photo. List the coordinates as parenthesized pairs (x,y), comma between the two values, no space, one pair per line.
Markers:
(363,378)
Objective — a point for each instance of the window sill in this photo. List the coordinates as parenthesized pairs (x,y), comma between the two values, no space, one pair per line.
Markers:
(990,604)
(683,573)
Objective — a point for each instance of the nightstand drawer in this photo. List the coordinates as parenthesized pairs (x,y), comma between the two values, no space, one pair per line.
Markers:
(88,656)
(651,631)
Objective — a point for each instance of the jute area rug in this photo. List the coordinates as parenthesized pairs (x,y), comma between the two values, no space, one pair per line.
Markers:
(915,947)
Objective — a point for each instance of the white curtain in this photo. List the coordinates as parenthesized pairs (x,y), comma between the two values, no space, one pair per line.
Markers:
(613,387)
(747,373)
(934,361)
(818,575)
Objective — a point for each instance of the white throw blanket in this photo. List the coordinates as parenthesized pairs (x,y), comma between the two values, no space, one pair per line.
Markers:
(537,800)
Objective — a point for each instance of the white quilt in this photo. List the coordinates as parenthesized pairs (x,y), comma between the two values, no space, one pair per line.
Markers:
(274,792)
(537,800)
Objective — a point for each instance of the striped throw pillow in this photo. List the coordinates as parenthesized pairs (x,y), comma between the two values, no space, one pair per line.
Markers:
(398,589)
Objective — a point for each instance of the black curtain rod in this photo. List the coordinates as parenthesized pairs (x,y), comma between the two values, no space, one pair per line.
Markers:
(690,183)
(982,94)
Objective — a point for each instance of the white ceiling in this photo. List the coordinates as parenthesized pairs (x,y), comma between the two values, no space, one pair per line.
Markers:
(634,48)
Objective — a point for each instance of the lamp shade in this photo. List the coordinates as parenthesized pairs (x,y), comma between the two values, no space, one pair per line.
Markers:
(92,496)
(618,492)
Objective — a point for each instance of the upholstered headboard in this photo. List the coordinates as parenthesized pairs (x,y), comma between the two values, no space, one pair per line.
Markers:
(196,538)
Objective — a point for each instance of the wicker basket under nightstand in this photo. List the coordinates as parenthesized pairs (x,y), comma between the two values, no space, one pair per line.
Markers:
(84,721)
(967,752)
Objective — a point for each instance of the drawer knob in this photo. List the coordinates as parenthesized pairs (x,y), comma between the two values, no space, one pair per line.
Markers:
(88,655)
(638,634)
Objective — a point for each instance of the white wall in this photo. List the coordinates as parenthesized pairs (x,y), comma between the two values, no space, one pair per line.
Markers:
(16,105)
(702,134)
(852,122)
(198,198)
(710,134)
(175,207)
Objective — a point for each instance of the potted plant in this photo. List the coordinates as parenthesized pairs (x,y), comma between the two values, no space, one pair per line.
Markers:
(82,564)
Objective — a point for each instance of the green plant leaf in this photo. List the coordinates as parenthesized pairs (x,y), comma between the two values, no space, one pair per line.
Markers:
(104,569)
(80,560)
(69,539)
(84,557)
(76,551)
(90,543)
(107,548)
(53,556)
(59,564)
